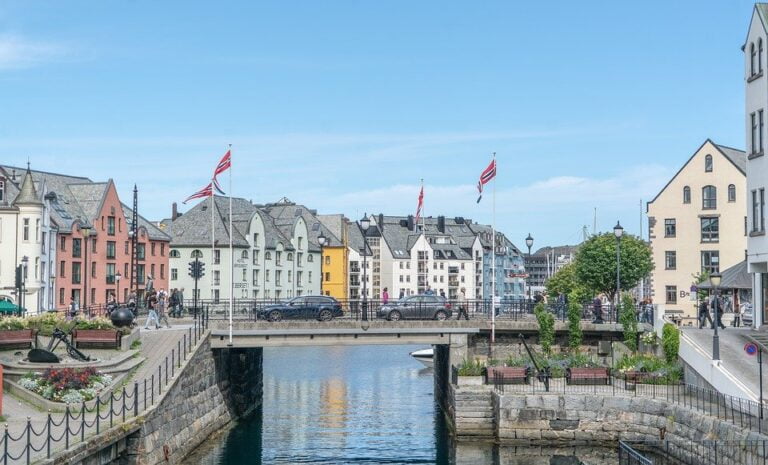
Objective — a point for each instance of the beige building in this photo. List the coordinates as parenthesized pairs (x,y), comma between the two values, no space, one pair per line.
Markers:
(697,223)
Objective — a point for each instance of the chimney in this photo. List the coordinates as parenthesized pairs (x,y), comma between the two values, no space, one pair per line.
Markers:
(441,224)
(381,222)
(410,222)
(174,211)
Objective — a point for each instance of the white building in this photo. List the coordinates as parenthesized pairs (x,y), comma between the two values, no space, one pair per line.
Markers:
(276,254)
(26,230)
(756,90)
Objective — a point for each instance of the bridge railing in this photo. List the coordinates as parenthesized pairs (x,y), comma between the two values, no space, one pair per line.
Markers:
(475,309)
(707,452)
(42,437)
(629,456)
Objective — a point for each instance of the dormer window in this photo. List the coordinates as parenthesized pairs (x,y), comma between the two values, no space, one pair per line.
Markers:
(686,194)
(760,55)
(708,163)
(752,59)
(2,190)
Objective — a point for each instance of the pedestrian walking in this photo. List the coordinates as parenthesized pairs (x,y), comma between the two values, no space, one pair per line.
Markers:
(402,294)
(719,303)
(597,309)
(429,291)
(152,314)
(161,314)
(181,301)
(384,297)
(736,316)
(704,314)
(442,293)
(463,305)
(72,309)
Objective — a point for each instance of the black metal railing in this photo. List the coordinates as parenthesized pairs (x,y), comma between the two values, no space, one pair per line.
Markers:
(630,456)
(745,413)
(475,309)
(41,438)
(708,452)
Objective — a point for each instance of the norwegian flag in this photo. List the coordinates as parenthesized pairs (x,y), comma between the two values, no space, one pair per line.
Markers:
(421,204)
(485,177)
(224,165)
(206,191)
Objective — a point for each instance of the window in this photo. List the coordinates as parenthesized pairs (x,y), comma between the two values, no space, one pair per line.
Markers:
(62,268)
(760,55)
(299,257)
(76,273)
(267,256)
(174,274)
(76,247)
(670,260)
(708,197)
(731,193)
(671,294)
(61,296)
(327,276)
(266,275)
(710,229)
(755,142)
(216,257)
(255,277)
(126,247)
(93,269)
(162,250)
(244,255)
(26,229)
(110,273)
(290,276)
(175,254)
(277,260)
(196,254)
(255,257)
(152,271)
(162,271)
(278,277)
(255,239)
(110,225)
(2,190)
(216,277)
(289,257)
(152,248)
(309,275)
(141,251)
(245,275)
(37,230)
(110,249)
(752,59)
(758,210)
(310,258)
(140,273)
(761,125)
(710,261)
(300,241)
(328,261)
(63,243)
(670,227)
(708,163)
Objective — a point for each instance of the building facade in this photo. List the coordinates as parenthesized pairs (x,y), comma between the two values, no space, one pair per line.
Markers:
(275,250)
(697,224)
(756,92)
(544,263)
(334,267)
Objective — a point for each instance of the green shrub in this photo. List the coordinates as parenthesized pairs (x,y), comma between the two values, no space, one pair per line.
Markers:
(12,323)
(670,342)
(471,368)
(664,372)
(628,321)
(575,335)
(546,327)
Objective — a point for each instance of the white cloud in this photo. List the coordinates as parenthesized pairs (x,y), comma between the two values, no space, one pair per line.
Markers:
(17,52)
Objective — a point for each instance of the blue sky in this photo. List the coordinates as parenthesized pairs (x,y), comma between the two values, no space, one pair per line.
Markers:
(345,105)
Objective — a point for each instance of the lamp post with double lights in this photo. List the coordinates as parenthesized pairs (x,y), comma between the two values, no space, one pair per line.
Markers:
(529,244)
(716,279)
(321,239)
(618,231)
(365,223)
(23,288)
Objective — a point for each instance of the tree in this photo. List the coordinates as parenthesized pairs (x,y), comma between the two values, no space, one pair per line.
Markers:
(628,320)
(546,327)
(595,263)
(575,335)
(565,282)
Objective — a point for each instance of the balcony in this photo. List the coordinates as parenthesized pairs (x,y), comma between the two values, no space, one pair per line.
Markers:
(453,283)
(453,270)
(354,269)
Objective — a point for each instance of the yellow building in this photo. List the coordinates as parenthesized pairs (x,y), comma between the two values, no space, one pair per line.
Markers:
(335,256)
(697,223)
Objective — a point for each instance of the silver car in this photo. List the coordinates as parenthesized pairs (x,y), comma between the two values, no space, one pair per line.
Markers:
(417,307)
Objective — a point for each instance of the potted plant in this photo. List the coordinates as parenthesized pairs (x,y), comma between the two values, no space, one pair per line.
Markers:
(471,373)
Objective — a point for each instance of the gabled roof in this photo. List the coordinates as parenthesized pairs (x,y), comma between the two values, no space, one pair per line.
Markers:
(193,228)
(738,159)
(154,233)
(285,214)
(27,193)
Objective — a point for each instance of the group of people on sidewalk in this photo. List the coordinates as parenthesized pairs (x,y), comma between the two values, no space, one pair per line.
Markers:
(716,304)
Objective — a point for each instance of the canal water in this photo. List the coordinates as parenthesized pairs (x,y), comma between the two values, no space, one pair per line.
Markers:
(359,404)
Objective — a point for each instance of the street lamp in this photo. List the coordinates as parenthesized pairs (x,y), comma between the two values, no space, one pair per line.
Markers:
(85,230)
(321,239)
(365,223)
(716,279)
(23,290)
(117,288)
(618,231)
(529,243)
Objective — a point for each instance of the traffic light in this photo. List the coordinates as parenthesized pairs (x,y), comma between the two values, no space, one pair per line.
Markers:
(193,269)
(19,277)
(200,269)
(196,269)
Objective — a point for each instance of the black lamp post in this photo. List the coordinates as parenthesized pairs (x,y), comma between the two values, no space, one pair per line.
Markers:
(618,231)
(321,239)
(529,243)
(715,279)
(117,288)
(85,230)
(365,223)
(23,290)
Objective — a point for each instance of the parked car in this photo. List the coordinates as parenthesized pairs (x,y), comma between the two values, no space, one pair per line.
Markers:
(307,307)
(747,315)
(417,307)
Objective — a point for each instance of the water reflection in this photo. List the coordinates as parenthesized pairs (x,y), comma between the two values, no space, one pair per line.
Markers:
(366,404)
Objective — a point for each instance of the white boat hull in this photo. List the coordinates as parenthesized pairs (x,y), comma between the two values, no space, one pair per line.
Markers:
(425,357)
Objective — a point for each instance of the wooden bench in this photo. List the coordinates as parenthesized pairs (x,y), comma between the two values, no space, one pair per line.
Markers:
(96,338)
(587,376)
(17,339)
(508,375)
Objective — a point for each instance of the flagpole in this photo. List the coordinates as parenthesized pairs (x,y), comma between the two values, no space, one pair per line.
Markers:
(231,254)
(213,232)
(493,260)
(424,231)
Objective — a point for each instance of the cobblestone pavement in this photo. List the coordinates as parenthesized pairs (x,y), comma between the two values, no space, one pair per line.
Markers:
(156,345)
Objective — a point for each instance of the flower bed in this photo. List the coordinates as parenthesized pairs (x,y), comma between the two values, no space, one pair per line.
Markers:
(659,370)
(45,324)
(557,363)
(68,385)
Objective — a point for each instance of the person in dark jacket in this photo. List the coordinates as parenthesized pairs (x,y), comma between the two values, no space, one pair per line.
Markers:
(597,309)
(718,302)
(704,314)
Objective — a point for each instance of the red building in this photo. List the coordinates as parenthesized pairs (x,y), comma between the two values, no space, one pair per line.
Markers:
(93,245)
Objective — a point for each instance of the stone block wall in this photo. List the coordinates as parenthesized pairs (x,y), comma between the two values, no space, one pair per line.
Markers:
(214,388)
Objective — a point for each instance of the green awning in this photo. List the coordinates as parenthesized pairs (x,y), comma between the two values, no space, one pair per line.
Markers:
(7,307)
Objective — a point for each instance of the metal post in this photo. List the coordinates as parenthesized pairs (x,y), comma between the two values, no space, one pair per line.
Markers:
(66,430)
(618,278)
(29,438)
(364,309)
(111,409)
(48,439)
(98,415)
(716,337)
(760,371)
